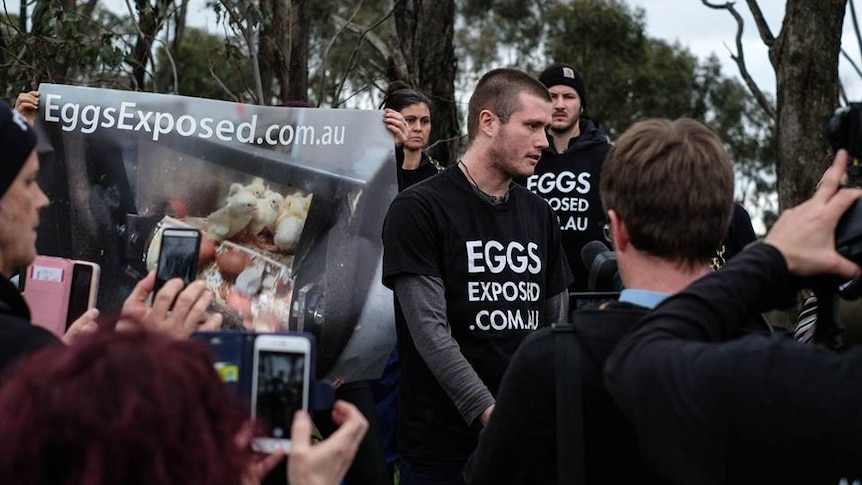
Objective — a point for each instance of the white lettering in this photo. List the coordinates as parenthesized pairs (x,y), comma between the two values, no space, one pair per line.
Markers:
(565,182)
(50,107)
(124,114)
(162,129)
(246,127)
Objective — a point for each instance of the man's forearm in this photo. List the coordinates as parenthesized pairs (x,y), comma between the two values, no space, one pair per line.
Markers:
(423,303)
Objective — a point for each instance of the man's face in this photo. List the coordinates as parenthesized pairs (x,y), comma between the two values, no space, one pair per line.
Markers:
(517,145)
(19,218)
(418,118)
(567,108)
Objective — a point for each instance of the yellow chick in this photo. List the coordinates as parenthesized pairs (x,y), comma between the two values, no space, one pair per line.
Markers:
(257,188)
(267,212)
(290,221)
(233,217)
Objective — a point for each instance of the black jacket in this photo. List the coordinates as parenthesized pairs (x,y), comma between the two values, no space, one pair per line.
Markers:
(18,337)
(754,410)
(519,445)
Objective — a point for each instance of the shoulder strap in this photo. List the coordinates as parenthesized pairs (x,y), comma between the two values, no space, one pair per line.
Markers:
(570,405)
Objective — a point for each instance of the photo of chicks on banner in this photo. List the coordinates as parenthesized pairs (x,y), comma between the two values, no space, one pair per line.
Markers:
(247,251)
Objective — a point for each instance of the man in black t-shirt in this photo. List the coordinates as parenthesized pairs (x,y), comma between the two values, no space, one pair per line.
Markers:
(476,265)
(567,176)
(654,165)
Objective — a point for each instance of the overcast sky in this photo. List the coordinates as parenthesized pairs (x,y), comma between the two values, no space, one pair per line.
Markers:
(704,31)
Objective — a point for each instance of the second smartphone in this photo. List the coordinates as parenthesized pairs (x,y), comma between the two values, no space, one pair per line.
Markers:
(280,386)
(178,255)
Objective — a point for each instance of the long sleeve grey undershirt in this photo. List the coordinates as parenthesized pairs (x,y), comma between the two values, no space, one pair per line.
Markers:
(423,303)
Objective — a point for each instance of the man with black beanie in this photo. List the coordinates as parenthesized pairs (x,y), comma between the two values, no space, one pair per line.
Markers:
(567,176)
(20,202)
(21,199)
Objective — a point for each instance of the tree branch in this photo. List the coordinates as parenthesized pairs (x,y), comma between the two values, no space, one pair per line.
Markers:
(372,38)
(855,31)
(852,62)
(762,27)
(739,59)
(324,57)
(364,33)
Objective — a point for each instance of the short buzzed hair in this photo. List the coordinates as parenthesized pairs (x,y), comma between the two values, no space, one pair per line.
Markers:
(671,182)
(498,92)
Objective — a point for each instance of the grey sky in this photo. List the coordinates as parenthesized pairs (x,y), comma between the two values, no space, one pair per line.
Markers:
(704,31)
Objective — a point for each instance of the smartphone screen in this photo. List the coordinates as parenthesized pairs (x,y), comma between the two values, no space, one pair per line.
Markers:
(178,256)
(280,387)
(82,290)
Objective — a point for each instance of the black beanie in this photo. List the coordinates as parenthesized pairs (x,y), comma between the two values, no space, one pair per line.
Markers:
(17,141)
(566,75)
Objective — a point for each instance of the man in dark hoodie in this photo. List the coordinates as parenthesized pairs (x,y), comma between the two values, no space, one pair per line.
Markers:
(567,176)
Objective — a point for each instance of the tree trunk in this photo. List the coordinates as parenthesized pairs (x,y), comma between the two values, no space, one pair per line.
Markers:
(150,21)
(424,31)
(297,85)
(806,58)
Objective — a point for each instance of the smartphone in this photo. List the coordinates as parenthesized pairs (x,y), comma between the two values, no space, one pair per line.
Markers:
(83,290)
(178,255)
(46,285)
(280,387)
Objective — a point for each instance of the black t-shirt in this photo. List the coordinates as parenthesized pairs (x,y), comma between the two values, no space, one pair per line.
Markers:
(428,167)
(569,182)
(498,263)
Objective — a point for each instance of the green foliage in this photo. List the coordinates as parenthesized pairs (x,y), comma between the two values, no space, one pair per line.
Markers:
(629,76)
(207,66)
(345,68)
(63,47)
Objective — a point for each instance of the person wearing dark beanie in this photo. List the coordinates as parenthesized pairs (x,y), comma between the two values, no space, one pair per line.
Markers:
(567,176)
(565,75)
(21,199)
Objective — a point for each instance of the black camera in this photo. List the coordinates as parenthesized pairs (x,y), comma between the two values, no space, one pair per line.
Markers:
(844,130)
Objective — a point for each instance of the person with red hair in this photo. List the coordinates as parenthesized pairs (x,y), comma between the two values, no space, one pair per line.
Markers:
(139,407)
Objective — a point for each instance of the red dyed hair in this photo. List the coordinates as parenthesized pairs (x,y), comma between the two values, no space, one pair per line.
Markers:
(120,408)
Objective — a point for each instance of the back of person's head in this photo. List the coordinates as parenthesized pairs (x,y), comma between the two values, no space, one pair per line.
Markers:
(498,91)
(671,182)
(120,408)
(399,96)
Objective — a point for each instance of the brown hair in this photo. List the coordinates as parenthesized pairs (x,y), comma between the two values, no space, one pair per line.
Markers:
(498,92)
(671,182)
(128,407)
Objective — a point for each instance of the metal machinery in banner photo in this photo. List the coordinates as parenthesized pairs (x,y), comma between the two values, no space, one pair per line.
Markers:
(290,202)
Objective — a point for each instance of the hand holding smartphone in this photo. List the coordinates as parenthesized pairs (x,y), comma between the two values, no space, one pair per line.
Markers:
(84,290)
(178,256)
(59,290)
(280,386)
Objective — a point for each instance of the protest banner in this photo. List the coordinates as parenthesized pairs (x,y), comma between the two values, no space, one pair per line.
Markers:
(291,203)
